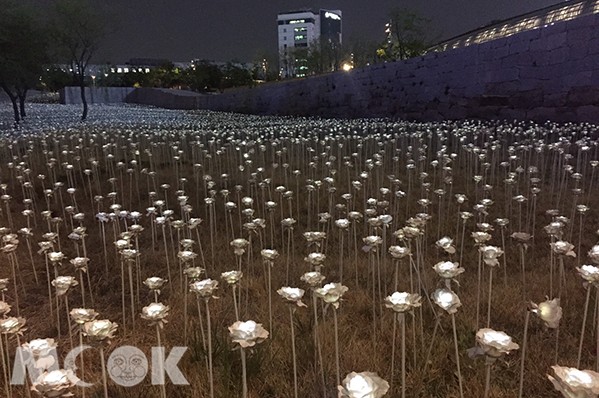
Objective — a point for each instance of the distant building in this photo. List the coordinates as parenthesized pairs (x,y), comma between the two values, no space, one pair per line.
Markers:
(298,30)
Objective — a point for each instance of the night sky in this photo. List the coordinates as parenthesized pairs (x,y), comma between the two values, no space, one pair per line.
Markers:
(223,30)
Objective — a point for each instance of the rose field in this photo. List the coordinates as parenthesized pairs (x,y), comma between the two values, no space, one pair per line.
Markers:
(296,257)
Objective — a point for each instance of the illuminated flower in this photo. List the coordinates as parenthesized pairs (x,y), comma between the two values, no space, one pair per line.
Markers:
(446,243)
(204,288)
(155,313)
(100,330)
(574,383)
(563,248)
(399,251)
(193,272)
(293,295)
(3,284)
(42,351)
(247,334)
(155,283)
(55,384)
(83,315)
(549,311)
(315,258)
(314,237)
(80,263)
(494,344)
(594,254)
(63,284)
(448,269)
(231,277)
(522,237)
(12,325)
(589,273)
(402,302)
(447,300)
(331,293)
(269,254)
(239,245)
(481,237)
(342,223)
(4,308)
(313,278)
(55,257)
(363,385)
(186,256)
(491,254)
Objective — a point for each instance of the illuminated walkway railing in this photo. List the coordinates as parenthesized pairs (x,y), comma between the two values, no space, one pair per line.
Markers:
(533,20)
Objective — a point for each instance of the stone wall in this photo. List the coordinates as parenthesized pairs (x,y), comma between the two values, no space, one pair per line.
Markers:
(95,95)
(545,74)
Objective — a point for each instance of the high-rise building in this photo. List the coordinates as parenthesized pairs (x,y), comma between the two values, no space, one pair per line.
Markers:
(299,31)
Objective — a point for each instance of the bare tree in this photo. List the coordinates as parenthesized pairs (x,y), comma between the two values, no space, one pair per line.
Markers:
(78,29)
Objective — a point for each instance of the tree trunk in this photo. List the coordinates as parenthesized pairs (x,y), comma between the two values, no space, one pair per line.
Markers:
(83,98)
(15,106)
(22,94)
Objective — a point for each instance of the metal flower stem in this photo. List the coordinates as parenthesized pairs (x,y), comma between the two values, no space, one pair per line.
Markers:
(27,388)
(269,266)
(104,378)
(185,315)
(244,373)
(82,288)
(82,359)
(402,320)
(235,303)
(337,346)
(478,289)
(132,292)
(31,259)
(487,381)
(431,342)
(504,257)
(490,295)
(291,310)
(393,346)
(341,257)
(523,358)
(168,265)
(584,322)
(66,302)
(597,335)
(49,287)
(201,319)
(208,324)
(457,354)
(317,342)
(161,362)
(5,367)
(123,301)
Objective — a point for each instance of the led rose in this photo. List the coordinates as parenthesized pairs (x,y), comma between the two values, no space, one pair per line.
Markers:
(590,274)
(563,248)
(594,254)
(204,288)
(55,384)
(155,313)
(193,272)
(186,256)
(288,223)
(399,251)
(549,312)
(447,300)
(4,308)
(80,263)
(231,277)
(491,254)
(555,229)
(239,245)
(574,383)
(293,295)
(313,278)
(12,325)
(315,259)
(314,237)
(494,344)
(63,284)
(402,302)
(55,257)
(42,351)
(448,269)
(269,254)
(446,243)
(100,330)
(522,237)
(342,223)
(155,283)
(331,293)
(480,237)
(247,334)
(3,284)
(363,385)
(83,315)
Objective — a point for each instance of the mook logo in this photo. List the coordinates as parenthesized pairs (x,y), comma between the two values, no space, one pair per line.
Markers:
(127,366)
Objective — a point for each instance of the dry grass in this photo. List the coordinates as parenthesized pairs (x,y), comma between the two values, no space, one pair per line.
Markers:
(270,366)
